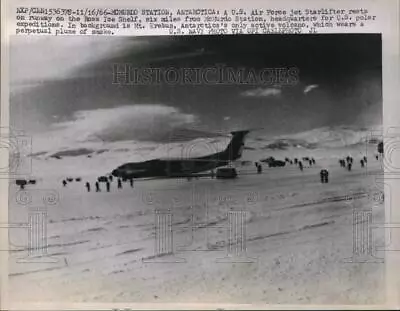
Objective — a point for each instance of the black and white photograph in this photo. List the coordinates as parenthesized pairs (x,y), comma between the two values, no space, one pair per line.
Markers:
(237,169)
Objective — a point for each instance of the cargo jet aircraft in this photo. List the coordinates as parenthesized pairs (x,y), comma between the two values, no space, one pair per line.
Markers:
(175,168)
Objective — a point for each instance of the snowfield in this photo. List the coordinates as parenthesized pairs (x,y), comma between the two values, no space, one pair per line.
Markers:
(298,232)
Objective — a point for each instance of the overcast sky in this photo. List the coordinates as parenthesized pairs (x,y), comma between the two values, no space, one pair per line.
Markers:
(53,78)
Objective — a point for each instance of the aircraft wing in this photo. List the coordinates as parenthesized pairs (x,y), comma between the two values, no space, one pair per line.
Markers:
(195,175)
(189,160)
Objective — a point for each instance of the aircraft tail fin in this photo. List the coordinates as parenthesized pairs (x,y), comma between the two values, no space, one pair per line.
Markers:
(235,148)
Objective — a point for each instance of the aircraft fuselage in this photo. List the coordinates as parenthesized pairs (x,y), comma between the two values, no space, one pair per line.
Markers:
(168,167)
(183,167)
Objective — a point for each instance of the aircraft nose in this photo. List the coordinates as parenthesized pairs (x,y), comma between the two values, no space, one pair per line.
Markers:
(115,173)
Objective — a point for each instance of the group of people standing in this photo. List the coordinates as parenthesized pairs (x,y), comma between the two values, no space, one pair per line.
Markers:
(105,180)
(348,162)
(311,162)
